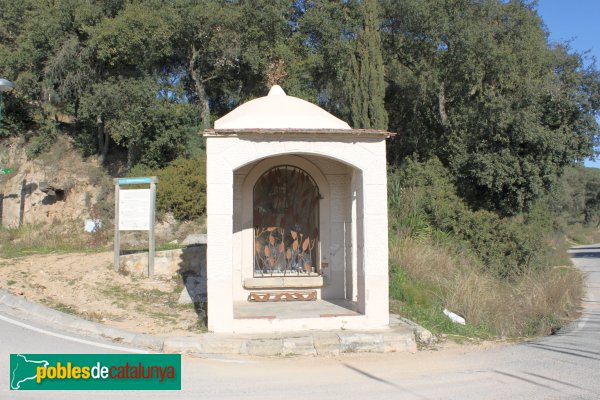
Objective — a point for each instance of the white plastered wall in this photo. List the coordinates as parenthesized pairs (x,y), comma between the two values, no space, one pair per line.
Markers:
(333,179)
(338,177)
(354,173)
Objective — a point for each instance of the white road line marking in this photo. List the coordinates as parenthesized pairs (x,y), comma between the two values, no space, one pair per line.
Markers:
(72,339)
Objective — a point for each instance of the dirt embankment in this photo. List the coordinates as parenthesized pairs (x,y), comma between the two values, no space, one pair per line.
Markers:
(56,186)
(87,285)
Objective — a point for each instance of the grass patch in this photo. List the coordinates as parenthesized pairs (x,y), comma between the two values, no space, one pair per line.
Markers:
(164,317)
(433,318)
(168,246)
(67,309)
(576,234)
(426,277)
(422,301)
(62,307)
(143,300)
(58,238)
(159,247)
(122,296)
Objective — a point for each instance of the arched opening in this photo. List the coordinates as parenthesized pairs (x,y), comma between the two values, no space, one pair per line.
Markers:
(286,223)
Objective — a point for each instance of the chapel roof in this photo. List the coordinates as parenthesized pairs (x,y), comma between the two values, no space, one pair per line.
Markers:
(279,111)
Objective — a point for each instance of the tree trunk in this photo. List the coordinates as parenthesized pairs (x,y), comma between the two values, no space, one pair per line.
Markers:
(442,105)
(203,103)
(103,138)
(130,155)
(105,147)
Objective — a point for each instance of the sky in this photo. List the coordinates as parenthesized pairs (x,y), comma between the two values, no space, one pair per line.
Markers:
(576,22)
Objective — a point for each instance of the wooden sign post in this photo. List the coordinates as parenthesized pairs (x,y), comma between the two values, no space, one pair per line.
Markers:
(134,211)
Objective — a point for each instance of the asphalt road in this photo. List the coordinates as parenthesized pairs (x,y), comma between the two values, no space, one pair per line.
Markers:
(564,366)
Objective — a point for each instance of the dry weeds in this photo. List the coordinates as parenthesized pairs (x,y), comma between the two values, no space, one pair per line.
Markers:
(536,303)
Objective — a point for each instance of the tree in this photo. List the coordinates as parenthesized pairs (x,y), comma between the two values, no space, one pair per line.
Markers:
(206,50)
(477,85)
(153,129)
(134,42)
(367,85)
(327,33)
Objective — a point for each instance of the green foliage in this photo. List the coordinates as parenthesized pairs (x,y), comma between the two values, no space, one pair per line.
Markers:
(181,187)
(324,43)
(575,199)
(490,114)
(424,204)
(39,144)
(589,178)
(17,115)
(139,37)
(407,290)
(477,85)
(367,83)
(154,130)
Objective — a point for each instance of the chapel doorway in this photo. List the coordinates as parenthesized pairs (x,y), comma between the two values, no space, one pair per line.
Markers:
(286,223)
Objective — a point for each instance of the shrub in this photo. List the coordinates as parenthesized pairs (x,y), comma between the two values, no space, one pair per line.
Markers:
(38,145)
(424,204)
(17,114)
(181,187)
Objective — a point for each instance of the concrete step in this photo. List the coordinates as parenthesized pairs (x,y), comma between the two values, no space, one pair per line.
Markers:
(323,343)
(400,337)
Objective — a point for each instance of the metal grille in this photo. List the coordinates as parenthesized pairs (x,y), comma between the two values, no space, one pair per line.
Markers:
(286,223)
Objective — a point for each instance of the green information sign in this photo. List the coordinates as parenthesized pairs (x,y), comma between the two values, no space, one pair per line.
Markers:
(95,372)
(5,171)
